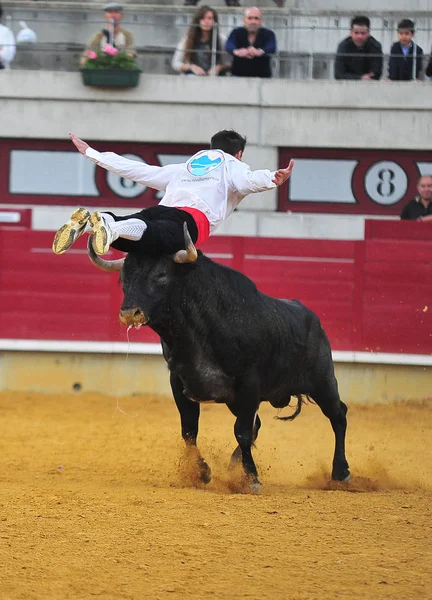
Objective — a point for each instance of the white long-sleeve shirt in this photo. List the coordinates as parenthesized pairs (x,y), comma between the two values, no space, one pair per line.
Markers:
(7,46)
(210,181)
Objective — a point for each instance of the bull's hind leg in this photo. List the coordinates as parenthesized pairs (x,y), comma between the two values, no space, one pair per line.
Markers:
(189,417)
(335,410)
(236,456)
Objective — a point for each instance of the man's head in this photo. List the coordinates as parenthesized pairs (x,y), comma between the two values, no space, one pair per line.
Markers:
(229,141)
(252,19)
(405,31)
(113,12)
(424,188)
(360,30)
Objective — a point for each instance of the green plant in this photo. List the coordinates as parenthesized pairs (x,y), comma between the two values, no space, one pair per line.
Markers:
(110,58)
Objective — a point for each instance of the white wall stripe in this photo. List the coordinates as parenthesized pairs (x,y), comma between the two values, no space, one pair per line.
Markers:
(155,349)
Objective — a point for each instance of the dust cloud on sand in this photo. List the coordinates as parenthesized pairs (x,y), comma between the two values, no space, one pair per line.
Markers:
(95,503)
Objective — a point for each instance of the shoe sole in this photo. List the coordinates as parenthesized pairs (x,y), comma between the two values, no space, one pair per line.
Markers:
(70,231)
(100,234)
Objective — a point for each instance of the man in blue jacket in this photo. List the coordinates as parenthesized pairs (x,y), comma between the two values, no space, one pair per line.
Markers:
(252,46)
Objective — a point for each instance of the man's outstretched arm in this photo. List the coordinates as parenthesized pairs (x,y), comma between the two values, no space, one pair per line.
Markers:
(250,182)
(149,175)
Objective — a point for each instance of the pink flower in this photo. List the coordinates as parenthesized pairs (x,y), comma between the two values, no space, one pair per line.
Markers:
(110,50)
(91,54)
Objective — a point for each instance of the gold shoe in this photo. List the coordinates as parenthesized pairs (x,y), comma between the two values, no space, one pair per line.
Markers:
(102,236)
(70,231)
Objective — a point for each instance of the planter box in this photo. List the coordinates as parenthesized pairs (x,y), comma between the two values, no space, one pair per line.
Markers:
(111,77)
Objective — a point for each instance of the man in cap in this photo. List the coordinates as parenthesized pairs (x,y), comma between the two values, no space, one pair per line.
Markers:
(113,33)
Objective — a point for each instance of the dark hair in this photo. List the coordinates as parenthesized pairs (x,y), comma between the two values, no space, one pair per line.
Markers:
(229,141)
(1,12)
(360,20)
(194,35)
(406,24)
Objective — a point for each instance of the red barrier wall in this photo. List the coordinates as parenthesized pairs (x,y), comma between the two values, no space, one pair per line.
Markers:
(371,295)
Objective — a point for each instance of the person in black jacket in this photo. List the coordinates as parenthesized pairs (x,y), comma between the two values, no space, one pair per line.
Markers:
(360,55)
(251,46)
(405,55)
(429,67)
(420,207)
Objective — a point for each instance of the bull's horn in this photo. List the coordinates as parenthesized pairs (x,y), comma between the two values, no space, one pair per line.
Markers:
(100,263)
(190,254)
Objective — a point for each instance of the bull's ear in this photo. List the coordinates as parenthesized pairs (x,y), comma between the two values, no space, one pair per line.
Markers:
(101,263)
(190,254)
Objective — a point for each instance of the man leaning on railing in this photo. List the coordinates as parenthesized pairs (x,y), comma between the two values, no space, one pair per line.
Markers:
(252,46)
(359,56)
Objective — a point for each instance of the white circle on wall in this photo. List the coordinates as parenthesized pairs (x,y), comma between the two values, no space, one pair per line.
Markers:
(125,188)
(386,182)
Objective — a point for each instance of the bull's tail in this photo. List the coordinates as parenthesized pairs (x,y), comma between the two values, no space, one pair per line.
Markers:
(300,401)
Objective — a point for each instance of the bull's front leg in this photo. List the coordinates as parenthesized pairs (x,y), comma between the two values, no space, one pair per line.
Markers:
(246,429)
(189,417)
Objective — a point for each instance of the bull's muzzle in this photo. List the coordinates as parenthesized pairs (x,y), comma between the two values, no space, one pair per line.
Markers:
(133,317)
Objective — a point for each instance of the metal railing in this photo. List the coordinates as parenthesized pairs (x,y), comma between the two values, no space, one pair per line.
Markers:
(294,63)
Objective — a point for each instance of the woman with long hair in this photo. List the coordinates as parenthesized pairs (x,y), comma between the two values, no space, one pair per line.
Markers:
(193,54)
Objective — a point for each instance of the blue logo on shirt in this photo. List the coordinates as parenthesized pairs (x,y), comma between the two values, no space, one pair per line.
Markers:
(205,162)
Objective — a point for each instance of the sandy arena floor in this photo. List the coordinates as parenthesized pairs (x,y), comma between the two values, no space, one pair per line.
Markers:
(92,505)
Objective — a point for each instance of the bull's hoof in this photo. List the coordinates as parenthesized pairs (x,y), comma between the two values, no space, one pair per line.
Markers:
(205,473)
(255,487)
(345,475)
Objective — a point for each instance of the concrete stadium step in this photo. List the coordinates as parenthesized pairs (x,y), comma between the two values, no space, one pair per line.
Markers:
(371,7)
(137,4)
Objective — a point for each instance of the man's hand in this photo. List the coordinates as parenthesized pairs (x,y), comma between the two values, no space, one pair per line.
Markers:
(242,52)
(367,76)
(281,175)
(80,144)
(255,52)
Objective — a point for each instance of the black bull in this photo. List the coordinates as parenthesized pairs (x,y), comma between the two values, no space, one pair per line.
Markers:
(224,341)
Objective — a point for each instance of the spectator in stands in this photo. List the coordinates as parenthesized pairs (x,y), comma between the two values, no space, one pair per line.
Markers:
(420,207)
(227,2)
(193,54)
(7,44)
(252,46)
(359,56)
(405,55)
(113,33)
(280,3)
(429,67)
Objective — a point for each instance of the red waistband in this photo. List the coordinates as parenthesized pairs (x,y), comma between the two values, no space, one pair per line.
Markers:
(202,223)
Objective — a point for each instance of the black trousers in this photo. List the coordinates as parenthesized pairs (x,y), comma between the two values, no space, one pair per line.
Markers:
(164,233)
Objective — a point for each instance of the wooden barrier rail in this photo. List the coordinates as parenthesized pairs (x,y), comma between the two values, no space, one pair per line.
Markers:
(373,295)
